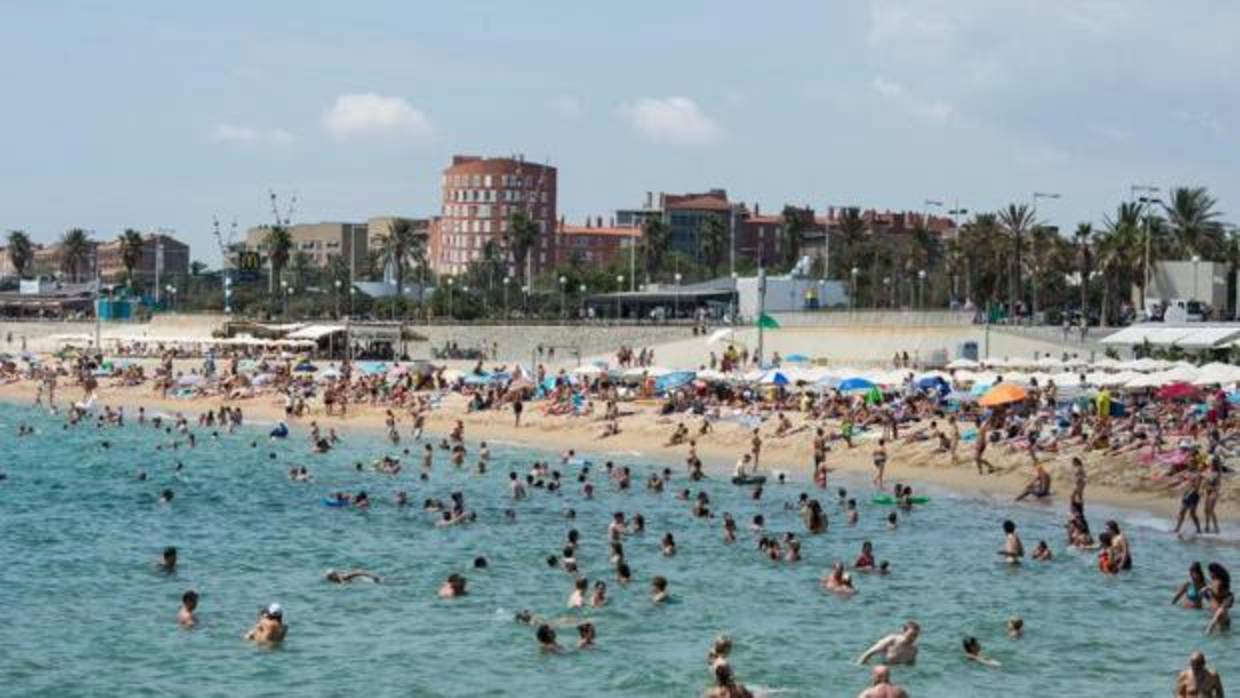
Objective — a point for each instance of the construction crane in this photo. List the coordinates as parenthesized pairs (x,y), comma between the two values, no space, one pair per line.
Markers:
(275,208)
(225,244)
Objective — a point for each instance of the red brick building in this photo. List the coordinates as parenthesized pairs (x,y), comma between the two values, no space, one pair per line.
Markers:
(594,245)
(479,197)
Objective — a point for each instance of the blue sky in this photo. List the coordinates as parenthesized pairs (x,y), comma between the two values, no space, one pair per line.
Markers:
(164,114)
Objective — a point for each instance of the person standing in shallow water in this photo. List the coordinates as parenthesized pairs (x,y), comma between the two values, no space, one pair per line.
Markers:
(1198,680)
(881,686)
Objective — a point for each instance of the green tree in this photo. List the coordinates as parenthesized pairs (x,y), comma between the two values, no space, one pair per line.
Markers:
(522,235)
(1017,220)
(131,244)
(713,237)
(1084,238)
(1123,243)
(21,252)
(656,242)
(279,246)
(303,267)
(795,222)
(1194,222)
(398,249)
(75,250)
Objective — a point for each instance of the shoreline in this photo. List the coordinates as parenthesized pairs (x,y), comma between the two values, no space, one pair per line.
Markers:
(642,437)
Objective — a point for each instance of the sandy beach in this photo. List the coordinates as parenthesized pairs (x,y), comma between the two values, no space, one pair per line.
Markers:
(1114,481)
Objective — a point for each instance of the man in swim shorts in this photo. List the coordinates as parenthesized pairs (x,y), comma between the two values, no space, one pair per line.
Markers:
(898,648)
(1198,680)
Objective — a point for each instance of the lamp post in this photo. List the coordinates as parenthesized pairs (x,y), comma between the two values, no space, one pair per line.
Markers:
(507,280)
(337,299)
(450,283)
(1196,261)
(1149,198)
(172,301)
(228,294)
(891,293)
(284,292)
(921,289)
(525,299)
(619,290)
(852,299)
(732,301)
(465,294)
(676,306)
(562,282)
(581,290)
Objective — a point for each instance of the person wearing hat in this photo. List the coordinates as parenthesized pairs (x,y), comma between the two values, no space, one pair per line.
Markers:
(270,628)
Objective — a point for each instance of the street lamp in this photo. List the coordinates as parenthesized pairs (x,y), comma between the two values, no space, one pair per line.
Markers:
(562,282)
(1196,261)
(337,299)
(172,301)
(284,290)
(1149,198)
(450,282)
(676,307)
(507,280)
(619,290)
(581,290)
(227,294)
(921,289)
(852,299)
(891,293)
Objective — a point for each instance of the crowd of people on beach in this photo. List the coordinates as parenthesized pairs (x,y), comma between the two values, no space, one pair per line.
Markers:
(911,417)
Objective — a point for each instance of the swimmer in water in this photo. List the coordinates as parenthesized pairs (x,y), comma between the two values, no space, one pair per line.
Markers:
(658,590)
(1015,628)
(270,628)
(453,588)
(168,561)
(973,653)
(1198,680)
(726,685)
(719,652)
(546,639)
(897,648)
(1042,552)
(338,577)
(189,604)
(577,599)
(838,581)
(585,632)
(881,686)
(1013,550)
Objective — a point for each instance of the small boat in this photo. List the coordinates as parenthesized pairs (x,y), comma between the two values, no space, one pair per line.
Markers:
(748,479)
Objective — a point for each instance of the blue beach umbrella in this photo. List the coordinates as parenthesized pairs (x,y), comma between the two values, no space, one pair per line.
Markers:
(855,384)
(797,358)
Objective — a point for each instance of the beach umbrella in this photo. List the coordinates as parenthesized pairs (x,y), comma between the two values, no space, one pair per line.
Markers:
(1003,394)
(1177,391)
(855,384)
(673,380)
(306,368)
(710,375)
(190,379)
(775,378)
(726,334)
(962,363)
(797,358)
(587,370)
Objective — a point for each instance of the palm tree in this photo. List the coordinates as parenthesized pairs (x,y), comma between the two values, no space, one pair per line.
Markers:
(279,245)
(131,244)
(1017,221)
(1125,244)
(1194,222)
(713,237)
(21,252)
(397,250)
(656,240)
(75,250)
(302,265)
(795,222)
(852,228)
(1084,233)
(522,234)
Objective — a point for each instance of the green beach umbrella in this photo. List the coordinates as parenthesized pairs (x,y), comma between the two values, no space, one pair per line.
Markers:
(767,322)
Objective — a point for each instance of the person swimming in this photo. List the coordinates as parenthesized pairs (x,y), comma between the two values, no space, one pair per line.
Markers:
(338,577)
(973,653)
(270,628)
(189,604)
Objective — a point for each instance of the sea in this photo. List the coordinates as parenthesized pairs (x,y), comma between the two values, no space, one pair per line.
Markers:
(85,612)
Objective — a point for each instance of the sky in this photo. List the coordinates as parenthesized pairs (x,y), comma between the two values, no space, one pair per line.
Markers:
(168,115)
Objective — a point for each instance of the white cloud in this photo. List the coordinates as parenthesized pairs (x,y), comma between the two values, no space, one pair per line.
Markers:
(231,133)
(370,115)
(672,120)
(568,107)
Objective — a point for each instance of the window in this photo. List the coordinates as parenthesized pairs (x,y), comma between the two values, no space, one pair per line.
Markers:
(486,180)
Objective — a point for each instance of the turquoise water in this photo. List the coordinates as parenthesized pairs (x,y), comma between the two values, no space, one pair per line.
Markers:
(86,614)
